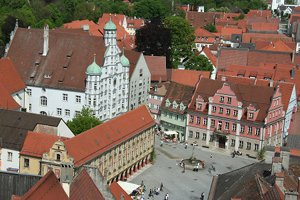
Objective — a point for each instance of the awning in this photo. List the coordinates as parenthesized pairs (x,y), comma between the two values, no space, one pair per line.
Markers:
(171,133)
(128,187)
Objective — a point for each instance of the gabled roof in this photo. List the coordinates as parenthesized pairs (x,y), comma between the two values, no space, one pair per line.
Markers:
(229,56)
(186,77)
(70,53)
(247,94)
(93,142)
(118,191)
(83,188)
(6,100)
(14,126)
(278,45)
(179,93)
(252,37)
(135,23)
(157,67)
(211,57)
(200,19)
(36,144)
(47,188)
(93,28)
(10,77)
(241,183)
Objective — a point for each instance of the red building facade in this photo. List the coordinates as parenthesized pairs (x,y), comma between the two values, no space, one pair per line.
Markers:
(235,117)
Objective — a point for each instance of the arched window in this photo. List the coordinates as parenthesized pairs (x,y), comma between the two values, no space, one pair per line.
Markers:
(43,113)
(43,101)
(58,157)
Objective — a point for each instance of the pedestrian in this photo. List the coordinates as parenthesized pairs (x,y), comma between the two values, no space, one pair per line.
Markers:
(150,193)
(186,145)
(142,183)
(183,167)
(161,186)
(202,196)
(167,196)
(210,155)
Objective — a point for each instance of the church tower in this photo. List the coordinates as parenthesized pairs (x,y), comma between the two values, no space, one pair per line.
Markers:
(92,94)
(110,33)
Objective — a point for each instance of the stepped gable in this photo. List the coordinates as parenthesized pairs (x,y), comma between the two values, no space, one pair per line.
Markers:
(93,142)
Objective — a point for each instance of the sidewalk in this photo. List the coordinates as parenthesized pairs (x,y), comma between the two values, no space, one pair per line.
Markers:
(139,172)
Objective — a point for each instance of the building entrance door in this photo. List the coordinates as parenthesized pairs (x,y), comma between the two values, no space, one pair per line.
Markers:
(222,140)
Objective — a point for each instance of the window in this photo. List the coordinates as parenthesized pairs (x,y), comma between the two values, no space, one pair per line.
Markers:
(233,142)
(205,121)
(43,113)
(30,107)
(199,106)
(191,134)
(248,145)
(67,112)
(257,132)
(256,147)
(95,86)
(65,97)
(226,125)
(141,72)
(58,157)
(9,156)
(249,129)
(78,99)
(198,120)
(197,135)
(220,125)
(221,99)
(77,113)
(214,108)
(250,115)
(233,127)
(229,100)
(204,136)
(212,124)
(235,113)
(58,111)
(227,111)
(221,111)
(242,129)
(191,119)
(26,162)
(29,92)
(43,101)
(241,144)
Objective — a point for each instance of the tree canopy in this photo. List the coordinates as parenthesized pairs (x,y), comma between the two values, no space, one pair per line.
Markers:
(182,39)
(154,39)
(211,28)
(151,9)
(85,120)
(200,63)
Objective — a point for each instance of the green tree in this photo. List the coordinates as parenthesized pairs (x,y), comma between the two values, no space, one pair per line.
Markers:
(200,63)
(151,9)
(85,120)
(210,27)
(182,39)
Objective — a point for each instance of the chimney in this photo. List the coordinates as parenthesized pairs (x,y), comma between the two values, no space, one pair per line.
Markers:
(285,158)
(224,78)
(293,57)
(46,40)
(279,181)
(292,73)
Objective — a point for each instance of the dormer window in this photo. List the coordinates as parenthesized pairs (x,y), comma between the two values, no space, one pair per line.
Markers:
(182,107)
(229,100)
(251,115)
(167,103)
(57,157)
(221,99)
(175,105)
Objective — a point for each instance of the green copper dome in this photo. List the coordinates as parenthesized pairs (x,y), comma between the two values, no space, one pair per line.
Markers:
(124,61)
(93,69)
(110,25)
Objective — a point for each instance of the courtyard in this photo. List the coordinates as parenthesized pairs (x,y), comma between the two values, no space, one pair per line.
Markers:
(186,185)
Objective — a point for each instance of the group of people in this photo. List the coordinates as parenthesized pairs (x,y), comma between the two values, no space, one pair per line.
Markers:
(156,191)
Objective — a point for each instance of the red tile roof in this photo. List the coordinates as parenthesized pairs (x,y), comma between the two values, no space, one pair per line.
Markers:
(252,37)
(47,188)
(84,188)
(262,13)
(226,32)
(204,36)
(118,191)
(6,100)
(79,24)
(210,56)
(186,77)
(229,56)
(135,23)
(157,67)
(36,144)
(93,142)
(200,19)
(10,77)
(278,46)
(265,26)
